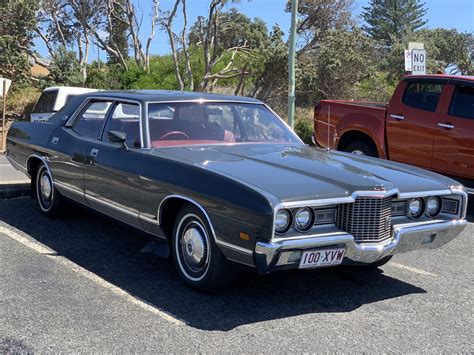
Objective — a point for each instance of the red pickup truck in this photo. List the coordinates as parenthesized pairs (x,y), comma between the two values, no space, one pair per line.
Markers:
(429,122)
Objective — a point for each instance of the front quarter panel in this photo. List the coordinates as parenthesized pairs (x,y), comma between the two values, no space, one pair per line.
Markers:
(232,207)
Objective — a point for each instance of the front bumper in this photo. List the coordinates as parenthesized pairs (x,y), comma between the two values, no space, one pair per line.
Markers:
(284,254)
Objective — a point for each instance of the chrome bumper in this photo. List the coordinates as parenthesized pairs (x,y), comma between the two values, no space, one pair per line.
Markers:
(284,254)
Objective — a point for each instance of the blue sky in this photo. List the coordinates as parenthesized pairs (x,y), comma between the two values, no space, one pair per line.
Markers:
(458,14)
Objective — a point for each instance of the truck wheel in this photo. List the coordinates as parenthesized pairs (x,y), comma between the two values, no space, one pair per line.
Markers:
(49,199)
(198,260)
(361,148)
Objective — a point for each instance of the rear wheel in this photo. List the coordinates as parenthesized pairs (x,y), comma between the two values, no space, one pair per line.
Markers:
(49,199)
(361,148)
(197,258)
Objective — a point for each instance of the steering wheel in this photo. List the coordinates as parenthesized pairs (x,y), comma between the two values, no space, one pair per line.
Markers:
(174,133)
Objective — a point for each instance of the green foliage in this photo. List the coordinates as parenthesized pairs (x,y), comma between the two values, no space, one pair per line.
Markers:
(388,20)
(65,69)
(16,38)
(304,129)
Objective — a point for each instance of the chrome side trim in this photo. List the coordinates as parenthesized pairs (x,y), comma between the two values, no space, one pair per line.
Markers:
(425,193)
(116,207)
(216,240)
(72,190)
(234,247)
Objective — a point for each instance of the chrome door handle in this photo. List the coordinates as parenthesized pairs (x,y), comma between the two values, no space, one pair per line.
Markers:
(94,152)
(397,117)
(446,125)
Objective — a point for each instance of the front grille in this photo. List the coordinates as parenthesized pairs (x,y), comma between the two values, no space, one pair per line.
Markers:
(368,219)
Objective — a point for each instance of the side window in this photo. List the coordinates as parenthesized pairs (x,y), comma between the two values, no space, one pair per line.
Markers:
(91,118)
(45,103)
(125,118)
(422,95)
(462,103)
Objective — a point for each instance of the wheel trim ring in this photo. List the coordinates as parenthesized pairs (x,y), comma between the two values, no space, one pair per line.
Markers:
(45,204)
(197,221)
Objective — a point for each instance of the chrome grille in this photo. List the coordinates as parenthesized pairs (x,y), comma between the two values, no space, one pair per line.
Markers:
(368,219)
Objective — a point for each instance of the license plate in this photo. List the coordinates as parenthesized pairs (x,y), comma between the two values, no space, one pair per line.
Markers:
(322,257)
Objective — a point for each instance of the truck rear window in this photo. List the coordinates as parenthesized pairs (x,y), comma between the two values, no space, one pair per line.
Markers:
(462,104)
(46,102)
(423,96)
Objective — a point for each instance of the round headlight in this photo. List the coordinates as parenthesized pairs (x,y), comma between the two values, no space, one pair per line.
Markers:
(303,219)
(415,207)
(433,206)
(282,221)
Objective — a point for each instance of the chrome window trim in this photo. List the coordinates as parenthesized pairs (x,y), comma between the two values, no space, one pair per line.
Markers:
(355,194)
(208,219)
(70,122)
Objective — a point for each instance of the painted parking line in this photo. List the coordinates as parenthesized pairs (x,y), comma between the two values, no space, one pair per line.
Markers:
(412,269)
(50,253)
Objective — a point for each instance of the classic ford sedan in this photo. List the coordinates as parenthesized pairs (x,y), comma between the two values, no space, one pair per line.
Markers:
(222,180)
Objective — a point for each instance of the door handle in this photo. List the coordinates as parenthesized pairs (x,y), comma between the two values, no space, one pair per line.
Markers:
(94,152)
(397,117)
(446,125)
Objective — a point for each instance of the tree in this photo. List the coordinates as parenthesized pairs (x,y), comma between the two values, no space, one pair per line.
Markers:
(117,32)
(16,38)
(317,17)
(389,20)
(65,69)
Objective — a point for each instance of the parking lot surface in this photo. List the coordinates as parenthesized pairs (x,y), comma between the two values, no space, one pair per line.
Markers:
(81,283)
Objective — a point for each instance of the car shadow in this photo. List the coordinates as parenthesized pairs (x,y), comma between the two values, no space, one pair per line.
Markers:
(113,252)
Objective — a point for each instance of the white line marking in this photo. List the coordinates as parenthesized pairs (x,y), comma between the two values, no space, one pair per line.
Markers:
(50,253)
(12,182)
(412,269)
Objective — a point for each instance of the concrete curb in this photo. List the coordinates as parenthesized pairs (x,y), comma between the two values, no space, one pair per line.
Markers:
(14,190)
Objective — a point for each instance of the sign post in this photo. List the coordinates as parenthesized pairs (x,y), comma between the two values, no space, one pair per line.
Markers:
(5,86)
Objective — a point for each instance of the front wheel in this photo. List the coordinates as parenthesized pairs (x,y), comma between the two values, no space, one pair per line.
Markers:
(49,199)
(361,148)
(198,260)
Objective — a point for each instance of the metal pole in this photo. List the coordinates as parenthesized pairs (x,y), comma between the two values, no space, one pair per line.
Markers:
(291,65)
(4,145)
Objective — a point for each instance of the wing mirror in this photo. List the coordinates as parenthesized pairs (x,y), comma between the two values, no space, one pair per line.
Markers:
(117,137)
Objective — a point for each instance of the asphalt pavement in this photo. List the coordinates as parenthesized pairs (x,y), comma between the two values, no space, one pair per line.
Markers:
(81,284)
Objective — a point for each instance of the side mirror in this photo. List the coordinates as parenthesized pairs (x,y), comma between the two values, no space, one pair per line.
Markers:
(117,137)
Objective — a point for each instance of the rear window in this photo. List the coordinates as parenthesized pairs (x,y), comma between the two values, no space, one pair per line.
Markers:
(423,96)
(462,104)
(46,102)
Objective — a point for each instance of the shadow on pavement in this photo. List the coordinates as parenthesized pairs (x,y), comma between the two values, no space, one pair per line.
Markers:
(113,253)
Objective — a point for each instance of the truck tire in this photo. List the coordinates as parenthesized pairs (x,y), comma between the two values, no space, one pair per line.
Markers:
(361,148)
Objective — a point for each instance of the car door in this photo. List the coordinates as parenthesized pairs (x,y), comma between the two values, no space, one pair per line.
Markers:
(453,150)
(411,122)
(70,143)
(112,170)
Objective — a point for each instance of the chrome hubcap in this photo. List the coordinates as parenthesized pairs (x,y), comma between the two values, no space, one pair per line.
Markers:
(46,187)
(358,152)
(194,248)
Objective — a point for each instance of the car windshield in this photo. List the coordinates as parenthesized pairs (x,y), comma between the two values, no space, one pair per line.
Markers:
(188,123)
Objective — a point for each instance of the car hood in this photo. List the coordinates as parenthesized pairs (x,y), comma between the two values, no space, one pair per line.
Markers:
(292,173)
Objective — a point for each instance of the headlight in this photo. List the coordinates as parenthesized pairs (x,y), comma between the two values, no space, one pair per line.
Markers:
(415,207)
(304,219)
(282,221)
(433,206)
